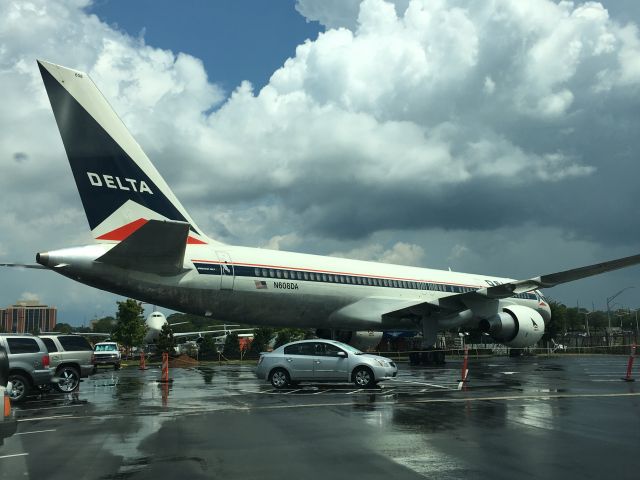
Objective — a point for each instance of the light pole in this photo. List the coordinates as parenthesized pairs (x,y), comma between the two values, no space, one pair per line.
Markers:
(586,321)
(609,299)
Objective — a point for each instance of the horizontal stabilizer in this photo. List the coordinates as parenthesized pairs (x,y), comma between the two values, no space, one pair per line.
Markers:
(156,247)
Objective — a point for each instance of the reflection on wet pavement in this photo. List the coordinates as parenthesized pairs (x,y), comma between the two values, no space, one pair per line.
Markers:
(519,413)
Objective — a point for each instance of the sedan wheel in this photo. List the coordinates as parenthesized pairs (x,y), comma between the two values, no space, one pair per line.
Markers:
(19,389)
(69,379)
(363,377)
(280,378)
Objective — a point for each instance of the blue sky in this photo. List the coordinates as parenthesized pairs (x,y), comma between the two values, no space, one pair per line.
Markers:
(235,39)
(489,137)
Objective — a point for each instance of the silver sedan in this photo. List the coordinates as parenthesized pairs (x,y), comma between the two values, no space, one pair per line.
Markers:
(323,361)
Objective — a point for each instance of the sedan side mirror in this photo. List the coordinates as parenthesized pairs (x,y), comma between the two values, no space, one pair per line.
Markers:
(342,354)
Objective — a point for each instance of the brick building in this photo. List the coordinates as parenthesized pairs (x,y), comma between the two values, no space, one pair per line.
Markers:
(26,316)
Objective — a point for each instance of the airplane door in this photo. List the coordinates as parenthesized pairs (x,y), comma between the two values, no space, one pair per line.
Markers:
(227,276)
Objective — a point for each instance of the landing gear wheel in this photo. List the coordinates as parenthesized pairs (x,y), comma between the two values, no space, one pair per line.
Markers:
(363,377)
(280,378)
(20,388)
(69,379)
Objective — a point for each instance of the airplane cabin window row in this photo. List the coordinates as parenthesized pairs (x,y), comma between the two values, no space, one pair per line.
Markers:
(307,276)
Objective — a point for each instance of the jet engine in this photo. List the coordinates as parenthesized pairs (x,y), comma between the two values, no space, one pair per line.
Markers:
(516,326)
(362,340)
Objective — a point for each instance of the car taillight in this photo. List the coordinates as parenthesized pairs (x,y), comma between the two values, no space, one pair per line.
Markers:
(45,361)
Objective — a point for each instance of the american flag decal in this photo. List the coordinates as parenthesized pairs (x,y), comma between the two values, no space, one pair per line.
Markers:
(260,284)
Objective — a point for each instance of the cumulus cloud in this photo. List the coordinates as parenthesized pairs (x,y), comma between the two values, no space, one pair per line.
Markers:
(401,117)
(399,254)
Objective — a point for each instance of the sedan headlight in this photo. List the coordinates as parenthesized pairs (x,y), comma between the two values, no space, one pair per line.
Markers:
(381,363)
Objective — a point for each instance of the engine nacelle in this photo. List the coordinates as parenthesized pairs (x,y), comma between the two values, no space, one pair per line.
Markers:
(365,340)
(516,326)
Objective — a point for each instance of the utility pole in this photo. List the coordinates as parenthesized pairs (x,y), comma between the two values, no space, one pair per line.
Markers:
(609,299)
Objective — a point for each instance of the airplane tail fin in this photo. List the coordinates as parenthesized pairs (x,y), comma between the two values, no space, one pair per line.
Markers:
(119,187)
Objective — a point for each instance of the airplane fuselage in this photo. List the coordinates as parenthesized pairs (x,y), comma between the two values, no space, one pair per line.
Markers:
(276,288)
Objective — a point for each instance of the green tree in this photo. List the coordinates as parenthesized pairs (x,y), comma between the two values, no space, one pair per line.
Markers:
(232,346)
(130,328)
(104,325)
(63,328)
(166,342)
(287,335)
(208,347)
(261,339)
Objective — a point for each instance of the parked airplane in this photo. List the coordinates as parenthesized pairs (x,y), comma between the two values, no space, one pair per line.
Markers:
(148,247)
(156,320)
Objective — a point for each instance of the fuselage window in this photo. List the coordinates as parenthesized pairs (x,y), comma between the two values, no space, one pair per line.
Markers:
(256,271)
(279,273)
(285,274)
(265,272)
(312,276)
(330,277)
(385,282)
(306,275)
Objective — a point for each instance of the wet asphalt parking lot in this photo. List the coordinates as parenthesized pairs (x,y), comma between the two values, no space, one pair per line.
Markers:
(532,417)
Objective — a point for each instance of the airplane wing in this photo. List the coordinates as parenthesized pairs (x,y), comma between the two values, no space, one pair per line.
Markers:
(210,332)
(156,247)
(451,304)
(552,279)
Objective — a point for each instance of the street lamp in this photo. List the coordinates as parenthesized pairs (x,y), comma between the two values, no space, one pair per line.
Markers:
(586,321)
(609,299)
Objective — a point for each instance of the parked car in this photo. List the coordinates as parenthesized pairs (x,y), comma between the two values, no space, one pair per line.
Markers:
(106,353)
(323,361)
(29,364)
(71,359)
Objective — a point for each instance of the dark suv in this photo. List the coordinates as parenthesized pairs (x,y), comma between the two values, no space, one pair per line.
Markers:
(70,359)
(28,363)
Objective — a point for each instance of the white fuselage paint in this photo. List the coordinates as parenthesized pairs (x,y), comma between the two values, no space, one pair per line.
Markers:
(261,300)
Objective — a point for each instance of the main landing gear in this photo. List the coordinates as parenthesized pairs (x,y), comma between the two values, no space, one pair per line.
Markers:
(429,356)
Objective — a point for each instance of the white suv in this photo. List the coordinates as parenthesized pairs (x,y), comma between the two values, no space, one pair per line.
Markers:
(70,356)
(106,353)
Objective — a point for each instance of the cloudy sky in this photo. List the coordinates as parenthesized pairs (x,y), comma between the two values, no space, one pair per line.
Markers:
(483,136)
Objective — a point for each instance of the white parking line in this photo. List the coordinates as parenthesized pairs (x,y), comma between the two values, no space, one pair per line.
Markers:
(14,455)
(57,417)
(293,391)
(36,431)
(424,384)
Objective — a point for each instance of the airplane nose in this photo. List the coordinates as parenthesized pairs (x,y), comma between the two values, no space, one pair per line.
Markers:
(42,259)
